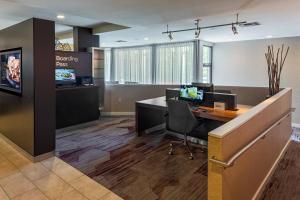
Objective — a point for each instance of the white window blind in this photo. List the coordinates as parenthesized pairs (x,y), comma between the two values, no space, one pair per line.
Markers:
(133,65)
(174,63)
(207,64)
(107,64)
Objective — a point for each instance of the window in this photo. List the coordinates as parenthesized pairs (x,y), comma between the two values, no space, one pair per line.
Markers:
(207,64)
(107,64)
(133,65)
(174,63)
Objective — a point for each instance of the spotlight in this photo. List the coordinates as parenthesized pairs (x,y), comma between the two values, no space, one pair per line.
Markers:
(234,30)
(197,33)
(170,36)
(198,30)
(169,33)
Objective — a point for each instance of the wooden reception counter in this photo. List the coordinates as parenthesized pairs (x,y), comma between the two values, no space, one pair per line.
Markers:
(243,153)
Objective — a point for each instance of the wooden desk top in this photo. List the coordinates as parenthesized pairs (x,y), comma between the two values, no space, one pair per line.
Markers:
(220,115)
(202,111)
(159,102)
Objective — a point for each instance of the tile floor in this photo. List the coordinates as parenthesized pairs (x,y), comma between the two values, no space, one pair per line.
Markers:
(20,179)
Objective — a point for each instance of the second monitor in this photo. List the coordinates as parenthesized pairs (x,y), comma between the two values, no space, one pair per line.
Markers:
(206,87)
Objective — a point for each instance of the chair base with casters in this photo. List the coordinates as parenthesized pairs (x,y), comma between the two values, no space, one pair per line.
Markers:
(187,146)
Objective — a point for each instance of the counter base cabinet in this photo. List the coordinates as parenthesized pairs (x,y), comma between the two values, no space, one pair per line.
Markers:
(76,105)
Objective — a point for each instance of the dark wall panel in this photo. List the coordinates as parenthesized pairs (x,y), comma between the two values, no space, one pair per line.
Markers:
(122,98)
(44,79)
(17,113)
(84,39)
(247,95)
(29,120)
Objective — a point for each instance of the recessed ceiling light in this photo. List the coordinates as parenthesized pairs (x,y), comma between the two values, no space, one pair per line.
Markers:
(60,17)
(269,36)
(146,38)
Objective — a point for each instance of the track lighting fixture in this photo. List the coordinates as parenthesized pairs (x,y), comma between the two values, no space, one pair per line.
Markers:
(198,29)
(170,36)
(197,33)
(234,30)
(233,27)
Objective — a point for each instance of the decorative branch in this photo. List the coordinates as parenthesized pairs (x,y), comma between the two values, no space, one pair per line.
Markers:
(275,66)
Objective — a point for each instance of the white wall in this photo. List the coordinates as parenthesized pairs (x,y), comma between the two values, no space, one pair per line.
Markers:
(244,64)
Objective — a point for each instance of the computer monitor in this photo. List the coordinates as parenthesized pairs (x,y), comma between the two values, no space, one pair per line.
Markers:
(206,87)
(191,94)
(65,76)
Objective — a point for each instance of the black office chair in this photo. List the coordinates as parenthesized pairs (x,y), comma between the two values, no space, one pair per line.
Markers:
(181,120)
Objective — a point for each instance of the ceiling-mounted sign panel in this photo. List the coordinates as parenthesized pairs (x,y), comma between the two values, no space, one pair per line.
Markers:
(81,62)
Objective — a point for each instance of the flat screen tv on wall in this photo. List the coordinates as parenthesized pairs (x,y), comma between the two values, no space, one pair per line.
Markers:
(11,70)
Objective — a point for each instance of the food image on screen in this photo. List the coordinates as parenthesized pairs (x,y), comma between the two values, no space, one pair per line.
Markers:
(10,70)
(65,76)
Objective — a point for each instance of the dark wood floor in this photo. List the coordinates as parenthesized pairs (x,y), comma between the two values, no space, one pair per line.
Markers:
(285,183)
(140,168)
(134,168)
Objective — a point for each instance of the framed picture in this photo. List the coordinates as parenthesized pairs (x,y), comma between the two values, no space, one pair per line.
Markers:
(11,70)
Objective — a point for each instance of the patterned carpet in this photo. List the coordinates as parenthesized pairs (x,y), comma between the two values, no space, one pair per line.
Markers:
(140,168)
(133,167)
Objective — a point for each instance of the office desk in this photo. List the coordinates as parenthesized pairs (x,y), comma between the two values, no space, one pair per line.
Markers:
(151,113)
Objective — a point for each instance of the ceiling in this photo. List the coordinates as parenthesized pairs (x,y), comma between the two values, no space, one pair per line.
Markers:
(148,18)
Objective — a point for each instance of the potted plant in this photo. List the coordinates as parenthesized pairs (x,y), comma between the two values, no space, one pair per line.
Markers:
(275,61)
